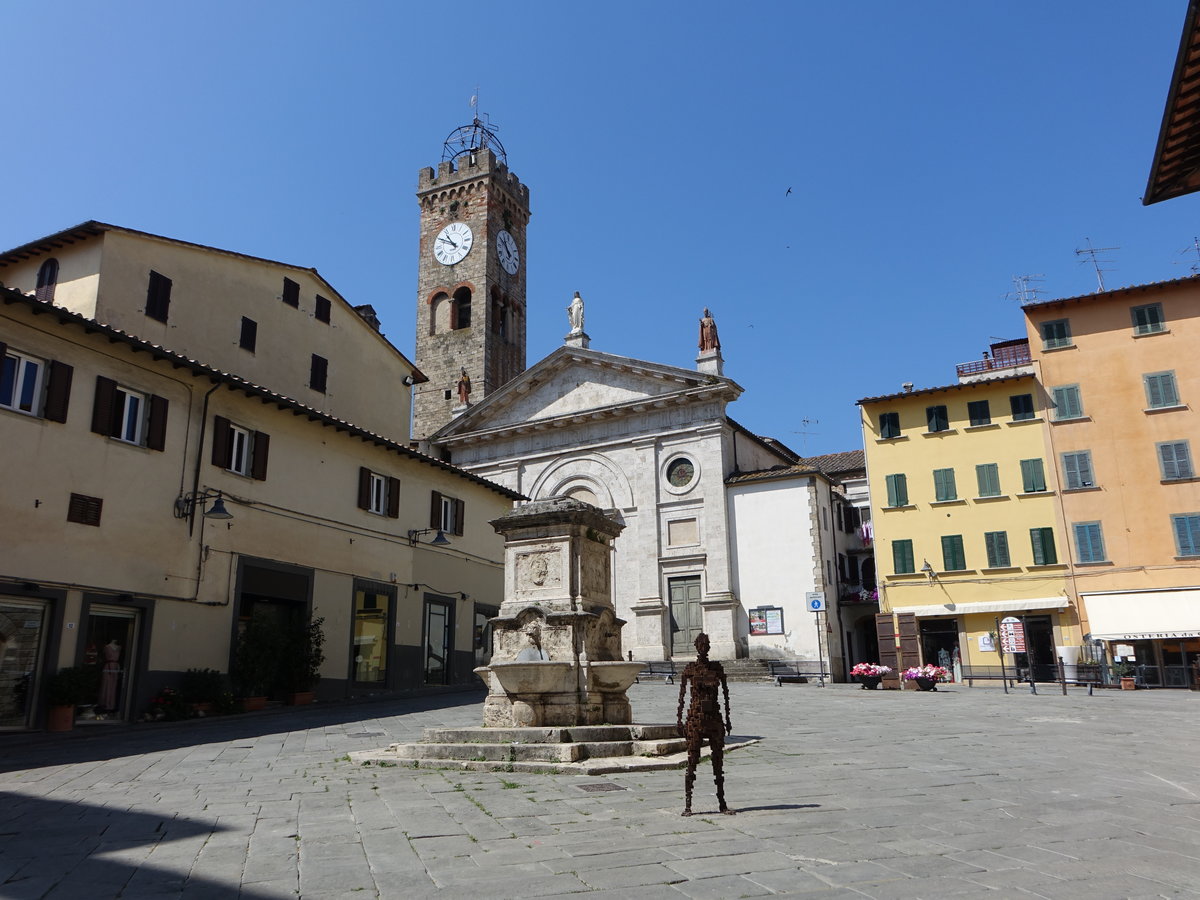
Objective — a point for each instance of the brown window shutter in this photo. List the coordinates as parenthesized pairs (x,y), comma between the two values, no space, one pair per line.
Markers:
(460,513)
(222,445)
(435,510)
(885,632)
(910,653)
(258,467)
(58,390)
(364,487)
(156,432)
(84,510)
(393,498)
(322,309)
(158,297)
(102,410)
(291,292)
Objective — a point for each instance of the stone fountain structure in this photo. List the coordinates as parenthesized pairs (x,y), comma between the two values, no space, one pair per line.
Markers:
(556,682)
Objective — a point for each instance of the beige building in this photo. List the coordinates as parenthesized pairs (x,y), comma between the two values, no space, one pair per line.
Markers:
(126,448)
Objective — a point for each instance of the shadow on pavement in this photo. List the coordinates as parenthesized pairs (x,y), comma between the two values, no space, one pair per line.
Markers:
(743,809)
(100,742)
(50,845)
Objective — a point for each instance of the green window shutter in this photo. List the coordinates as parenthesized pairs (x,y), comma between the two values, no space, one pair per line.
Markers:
(944,487)
(1044,553)
(1067,402)
(1147,319)
(979,412)
(952,553)
(1056,334)
(902,557)
(936,418)
(1077,470)
(1021,406)
(988,476)
(889,425)
(996,543)
(1161,390)
(1175,460)
(1089,542)
(1033,477)
(897,490)
(1187,534)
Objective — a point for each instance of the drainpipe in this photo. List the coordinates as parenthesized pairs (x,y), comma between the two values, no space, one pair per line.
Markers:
(199,455)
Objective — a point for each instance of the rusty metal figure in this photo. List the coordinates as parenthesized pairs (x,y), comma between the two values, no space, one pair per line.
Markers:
(704,720)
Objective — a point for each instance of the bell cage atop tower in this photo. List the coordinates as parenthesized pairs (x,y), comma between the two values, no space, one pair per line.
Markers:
(470,277)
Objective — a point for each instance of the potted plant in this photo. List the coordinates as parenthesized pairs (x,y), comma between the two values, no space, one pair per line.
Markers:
(65,690)
(1124,671)
(870,674)
(925,677)
(303,655)
(201,689)
(254,662)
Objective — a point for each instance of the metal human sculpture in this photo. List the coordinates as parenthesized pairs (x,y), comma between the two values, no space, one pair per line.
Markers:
(704,720)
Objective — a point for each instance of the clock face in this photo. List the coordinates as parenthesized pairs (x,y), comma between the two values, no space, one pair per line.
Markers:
(452,243)
(510,257)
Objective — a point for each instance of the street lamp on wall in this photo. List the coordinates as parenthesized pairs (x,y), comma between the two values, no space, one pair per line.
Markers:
(439,539)
(185,505)
(927,570)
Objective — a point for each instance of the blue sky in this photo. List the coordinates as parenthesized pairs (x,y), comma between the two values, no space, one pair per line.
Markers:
(933,149)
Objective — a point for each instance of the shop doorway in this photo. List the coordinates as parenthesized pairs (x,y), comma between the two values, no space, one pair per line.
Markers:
(939,645)
(372,625)
(22,639)
(439,632)
(110,646)
(1039,660)
(279,596)
(687,618)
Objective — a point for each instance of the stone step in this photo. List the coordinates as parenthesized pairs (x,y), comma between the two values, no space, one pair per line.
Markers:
(550,735)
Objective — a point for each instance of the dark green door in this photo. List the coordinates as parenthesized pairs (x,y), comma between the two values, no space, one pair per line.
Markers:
(686,617)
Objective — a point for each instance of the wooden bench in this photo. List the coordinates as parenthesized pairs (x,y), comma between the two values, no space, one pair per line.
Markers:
(797,671)
(972,674)
(660,669)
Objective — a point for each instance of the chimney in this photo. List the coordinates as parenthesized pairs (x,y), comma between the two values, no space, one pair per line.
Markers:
(367,313)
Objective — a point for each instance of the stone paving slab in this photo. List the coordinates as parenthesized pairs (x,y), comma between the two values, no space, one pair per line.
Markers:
(845,793)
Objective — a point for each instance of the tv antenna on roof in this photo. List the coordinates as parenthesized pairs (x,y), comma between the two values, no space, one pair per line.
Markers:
(1026,292)
(469,139)
(1195,248)
(1094,252)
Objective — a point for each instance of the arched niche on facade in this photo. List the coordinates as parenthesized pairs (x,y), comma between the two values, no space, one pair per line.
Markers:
(591,472)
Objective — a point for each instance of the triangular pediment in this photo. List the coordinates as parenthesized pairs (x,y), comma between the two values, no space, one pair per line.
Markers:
(571,382)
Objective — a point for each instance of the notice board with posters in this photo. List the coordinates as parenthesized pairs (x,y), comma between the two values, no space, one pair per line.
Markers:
(766,620)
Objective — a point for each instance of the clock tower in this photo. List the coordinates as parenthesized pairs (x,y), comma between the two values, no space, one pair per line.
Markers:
(471,277)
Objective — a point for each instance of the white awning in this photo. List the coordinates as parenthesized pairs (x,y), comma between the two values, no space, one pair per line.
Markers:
(1144,615)
(966,609)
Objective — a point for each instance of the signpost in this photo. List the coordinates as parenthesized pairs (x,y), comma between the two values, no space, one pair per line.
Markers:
(815,601)
(1012,640)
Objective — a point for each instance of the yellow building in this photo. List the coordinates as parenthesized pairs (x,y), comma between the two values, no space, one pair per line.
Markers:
(965,518)
(1121,378)
(156,504)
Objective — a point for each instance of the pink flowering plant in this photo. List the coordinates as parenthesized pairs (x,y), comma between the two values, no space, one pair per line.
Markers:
(871,670)
(937,673)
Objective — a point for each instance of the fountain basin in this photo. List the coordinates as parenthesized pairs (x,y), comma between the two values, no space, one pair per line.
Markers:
(612,676)
(541,676)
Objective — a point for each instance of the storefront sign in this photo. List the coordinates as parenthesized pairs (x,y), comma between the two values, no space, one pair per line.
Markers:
(987,644)
(766,620)
(1012,635)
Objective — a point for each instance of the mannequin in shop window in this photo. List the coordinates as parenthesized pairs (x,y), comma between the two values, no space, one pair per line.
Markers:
(109,676)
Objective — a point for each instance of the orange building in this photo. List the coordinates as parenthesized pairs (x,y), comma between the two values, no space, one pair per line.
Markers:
(1121,376)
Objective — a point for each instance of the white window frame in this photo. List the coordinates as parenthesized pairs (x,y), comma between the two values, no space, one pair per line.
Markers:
(241,449)
(378,495)
(134,407)
(448,523)
(22,362)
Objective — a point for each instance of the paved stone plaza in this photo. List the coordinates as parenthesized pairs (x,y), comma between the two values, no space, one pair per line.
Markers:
(852,794)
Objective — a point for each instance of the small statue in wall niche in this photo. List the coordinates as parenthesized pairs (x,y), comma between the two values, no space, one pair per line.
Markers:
(464,388)
(708,333)
(704,720)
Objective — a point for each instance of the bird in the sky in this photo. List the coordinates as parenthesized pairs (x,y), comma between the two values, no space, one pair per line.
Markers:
(787,192)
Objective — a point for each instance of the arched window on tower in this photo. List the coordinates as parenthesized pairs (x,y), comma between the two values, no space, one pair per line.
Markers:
(47,279)
(460,312)
(439,313)
(499,314)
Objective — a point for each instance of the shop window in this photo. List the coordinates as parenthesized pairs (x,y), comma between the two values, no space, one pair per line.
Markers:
(1021,406)
(988,477)
(937,419)
(944,488)
(1161,391)
(889,425)
(953,559)
(979,412)
(1175,460)
(1187,534)
(1068,403)
(902,557)
(372,613)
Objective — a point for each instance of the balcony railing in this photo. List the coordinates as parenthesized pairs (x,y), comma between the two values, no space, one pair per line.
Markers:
(1007,360)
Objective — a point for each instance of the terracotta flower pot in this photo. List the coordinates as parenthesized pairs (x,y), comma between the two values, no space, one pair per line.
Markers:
(60,718)
(251,704)
(300,698)
(1128,683)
